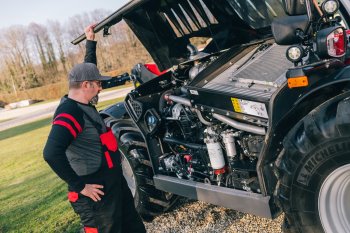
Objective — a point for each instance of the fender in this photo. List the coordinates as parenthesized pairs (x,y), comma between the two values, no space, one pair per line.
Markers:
(116,111)
(287,107)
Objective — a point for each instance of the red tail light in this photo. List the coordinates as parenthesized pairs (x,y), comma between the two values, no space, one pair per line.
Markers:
(331,42)
(347,58)
(336,43)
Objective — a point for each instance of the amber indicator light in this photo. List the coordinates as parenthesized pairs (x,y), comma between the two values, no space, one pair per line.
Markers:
(301,81)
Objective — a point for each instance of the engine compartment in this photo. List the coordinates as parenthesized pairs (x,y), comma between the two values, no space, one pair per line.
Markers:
(210,129)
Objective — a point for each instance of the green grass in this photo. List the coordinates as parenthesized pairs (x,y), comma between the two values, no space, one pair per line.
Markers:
(18,130)
(32,197)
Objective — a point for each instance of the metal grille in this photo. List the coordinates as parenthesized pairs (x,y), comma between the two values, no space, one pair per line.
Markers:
(136,108)
(258,79)
(264,94)
(268,67)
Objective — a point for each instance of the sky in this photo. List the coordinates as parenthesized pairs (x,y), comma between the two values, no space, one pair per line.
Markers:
(14,12)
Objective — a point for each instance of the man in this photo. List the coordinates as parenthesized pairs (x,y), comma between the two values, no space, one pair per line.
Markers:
(83,152)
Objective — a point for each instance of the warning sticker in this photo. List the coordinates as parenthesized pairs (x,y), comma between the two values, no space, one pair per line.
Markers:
(249,107)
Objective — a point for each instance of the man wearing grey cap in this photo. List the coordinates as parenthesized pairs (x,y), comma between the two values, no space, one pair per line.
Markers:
(84,153)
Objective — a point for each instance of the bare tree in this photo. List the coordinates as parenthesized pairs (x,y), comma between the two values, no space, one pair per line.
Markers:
(57,32)
(39,54)
(45,49)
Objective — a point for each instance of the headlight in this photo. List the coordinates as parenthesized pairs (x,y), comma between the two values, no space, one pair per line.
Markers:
(151,120)
(329,7)
(295,53)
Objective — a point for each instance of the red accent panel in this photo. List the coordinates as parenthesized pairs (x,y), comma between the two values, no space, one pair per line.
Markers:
(154,69)
(108,139)
(70,117)
(90,230)
(109,159)
(68,126)
(73,196)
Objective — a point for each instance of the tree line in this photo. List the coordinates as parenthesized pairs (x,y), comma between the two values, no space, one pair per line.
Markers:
(40,54)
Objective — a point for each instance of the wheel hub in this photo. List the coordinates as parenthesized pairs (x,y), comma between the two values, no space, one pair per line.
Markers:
(334,201)
(128,174)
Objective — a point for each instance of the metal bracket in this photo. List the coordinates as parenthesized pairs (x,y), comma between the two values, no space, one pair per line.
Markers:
(106,31)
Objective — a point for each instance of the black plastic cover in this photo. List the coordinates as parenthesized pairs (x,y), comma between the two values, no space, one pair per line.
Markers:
(295,7)
(284,29)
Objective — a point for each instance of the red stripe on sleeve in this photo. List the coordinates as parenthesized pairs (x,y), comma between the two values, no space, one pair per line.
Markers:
(70,117)
(68,126)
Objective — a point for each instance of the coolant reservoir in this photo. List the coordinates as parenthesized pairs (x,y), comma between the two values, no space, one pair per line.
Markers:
(216,155)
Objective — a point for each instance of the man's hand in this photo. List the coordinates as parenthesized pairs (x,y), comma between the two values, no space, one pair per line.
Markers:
(92,191)
(89,32)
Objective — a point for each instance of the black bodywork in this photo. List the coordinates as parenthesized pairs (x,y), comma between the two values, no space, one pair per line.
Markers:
(167,43)
(285,107)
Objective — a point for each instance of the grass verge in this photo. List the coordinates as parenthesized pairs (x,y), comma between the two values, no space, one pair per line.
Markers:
(32,197)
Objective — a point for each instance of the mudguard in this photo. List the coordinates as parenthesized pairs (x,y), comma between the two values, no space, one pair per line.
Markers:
(289,106)
(116,111)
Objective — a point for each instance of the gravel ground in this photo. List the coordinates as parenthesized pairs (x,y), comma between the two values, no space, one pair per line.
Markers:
(199,217)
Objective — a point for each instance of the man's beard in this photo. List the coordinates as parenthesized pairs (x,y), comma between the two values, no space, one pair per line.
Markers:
(94,100)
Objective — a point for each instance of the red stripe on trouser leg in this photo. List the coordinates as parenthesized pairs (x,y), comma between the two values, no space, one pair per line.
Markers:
(90,230)
(109,159)
(73,196)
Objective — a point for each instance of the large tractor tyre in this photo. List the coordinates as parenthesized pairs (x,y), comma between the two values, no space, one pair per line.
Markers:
(314,186)
(137,170)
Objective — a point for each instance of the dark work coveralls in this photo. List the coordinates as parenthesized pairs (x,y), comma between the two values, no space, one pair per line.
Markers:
(75,152)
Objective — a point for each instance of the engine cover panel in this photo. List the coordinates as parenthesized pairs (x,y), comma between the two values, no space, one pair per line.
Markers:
(246,86)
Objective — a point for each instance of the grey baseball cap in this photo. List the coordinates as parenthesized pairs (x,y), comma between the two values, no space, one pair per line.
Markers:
(86,72)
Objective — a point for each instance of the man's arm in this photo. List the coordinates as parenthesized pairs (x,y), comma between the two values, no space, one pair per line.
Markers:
(67,124)
(90,55)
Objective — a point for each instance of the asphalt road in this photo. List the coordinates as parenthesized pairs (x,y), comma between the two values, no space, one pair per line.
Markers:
(28,114)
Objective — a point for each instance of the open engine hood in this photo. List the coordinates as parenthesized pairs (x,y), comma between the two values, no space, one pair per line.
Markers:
(165,26)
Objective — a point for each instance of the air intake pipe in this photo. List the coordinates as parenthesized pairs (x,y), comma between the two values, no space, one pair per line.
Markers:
(235,124)
(239,125)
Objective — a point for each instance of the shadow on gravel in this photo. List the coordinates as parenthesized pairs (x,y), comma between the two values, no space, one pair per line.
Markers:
(12,132)
(184,203)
